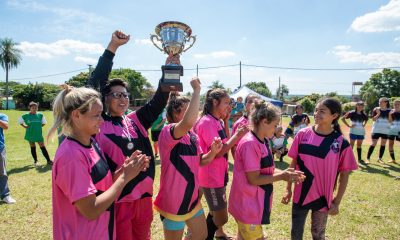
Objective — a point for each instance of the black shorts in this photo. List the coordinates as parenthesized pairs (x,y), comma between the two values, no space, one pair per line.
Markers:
(154,135)
(379,135)
(394,137)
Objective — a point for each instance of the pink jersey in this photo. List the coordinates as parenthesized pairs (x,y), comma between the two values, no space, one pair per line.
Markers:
(251,204)
(215,174)
(119,137)
(321,158)
(79,171)
(242,121)
(179,182)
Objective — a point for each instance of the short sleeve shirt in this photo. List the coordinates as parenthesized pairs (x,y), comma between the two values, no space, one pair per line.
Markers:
(3,118)
(381,125)
(34,122)
(321,158)
(214,174)
(74,178)
(248,203)
(179,181)
(357,121)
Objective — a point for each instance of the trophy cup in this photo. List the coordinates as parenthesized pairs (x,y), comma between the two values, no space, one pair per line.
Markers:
(172,36)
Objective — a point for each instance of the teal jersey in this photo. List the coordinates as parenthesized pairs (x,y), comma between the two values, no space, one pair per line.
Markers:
(34,122)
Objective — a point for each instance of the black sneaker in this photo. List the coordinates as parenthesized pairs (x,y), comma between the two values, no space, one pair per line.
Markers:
(50,163)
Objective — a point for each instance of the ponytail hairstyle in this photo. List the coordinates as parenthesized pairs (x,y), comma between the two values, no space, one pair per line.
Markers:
(174,105)
(68,100)
(217,94)
(334,106)
(264,110)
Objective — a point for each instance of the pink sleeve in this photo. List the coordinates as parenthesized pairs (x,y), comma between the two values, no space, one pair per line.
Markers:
(166,137)
(206,133)
(251,155)
(234,127)
(74,178)
(294,149)
(347,160)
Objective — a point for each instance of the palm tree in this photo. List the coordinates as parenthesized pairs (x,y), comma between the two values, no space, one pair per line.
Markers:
(10,57)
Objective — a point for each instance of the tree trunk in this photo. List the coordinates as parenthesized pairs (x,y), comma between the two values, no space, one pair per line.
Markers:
(6,86)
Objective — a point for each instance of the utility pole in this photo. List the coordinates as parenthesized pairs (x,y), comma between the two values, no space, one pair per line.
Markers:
(279,89)
(90,69)
(240,74)
(197,70)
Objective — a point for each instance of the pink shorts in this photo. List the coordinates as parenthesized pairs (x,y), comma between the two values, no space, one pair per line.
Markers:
(133,219)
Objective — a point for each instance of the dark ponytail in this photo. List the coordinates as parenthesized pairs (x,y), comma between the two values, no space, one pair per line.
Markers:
(174,105)
(334,106)
(212,94)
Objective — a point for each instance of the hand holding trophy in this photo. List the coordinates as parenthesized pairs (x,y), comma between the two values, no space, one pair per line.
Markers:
(173,36)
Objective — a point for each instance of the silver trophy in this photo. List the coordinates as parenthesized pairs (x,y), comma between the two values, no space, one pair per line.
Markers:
(173,36)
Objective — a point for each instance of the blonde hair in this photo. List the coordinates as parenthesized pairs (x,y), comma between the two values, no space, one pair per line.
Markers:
(264,110)
(68,100)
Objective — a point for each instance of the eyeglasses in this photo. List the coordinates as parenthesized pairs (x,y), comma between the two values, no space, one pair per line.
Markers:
(119,95)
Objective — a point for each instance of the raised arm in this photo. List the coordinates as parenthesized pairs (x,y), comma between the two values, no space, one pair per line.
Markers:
(99,76)
(192,112)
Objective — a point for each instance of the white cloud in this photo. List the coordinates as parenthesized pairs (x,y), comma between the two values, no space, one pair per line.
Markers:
(397,39)
(143,42)
(386,18)
(381,59)
(86,60)
(65,13)
(59,48)
(218,54)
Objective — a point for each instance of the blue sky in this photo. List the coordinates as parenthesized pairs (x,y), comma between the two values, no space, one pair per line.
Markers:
(61,36)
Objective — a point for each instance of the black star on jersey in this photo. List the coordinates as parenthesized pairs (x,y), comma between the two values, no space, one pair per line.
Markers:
(321,152)
(141,143)
(180,165)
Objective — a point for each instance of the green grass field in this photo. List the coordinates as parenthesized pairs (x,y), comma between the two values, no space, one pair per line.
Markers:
(370,209)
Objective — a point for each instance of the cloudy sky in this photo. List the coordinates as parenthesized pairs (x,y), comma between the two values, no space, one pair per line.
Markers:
(289,38)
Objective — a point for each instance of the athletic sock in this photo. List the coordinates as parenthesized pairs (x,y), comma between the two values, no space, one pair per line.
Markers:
(45,153)
(370,151)
(211,227)
(392,155)
(359,154)
(33,152)
(381,152)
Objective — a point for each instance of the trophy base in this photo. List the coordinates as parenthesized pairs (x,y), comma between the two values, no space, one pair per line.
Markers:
(168,87)
(170,80)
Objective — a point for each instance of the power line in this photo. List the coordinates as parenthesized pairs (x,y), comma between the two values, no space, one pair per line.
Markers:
(44,76)
(225,66)
(319,69)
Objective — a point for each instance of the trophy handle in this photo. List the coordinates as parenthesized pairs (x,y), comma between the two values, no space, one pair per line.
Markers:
(152,36)
(188,39)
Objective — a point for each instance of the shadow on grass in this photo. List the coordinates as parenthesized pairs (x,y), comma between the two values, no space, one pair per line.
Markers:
(380,169)
(43,168)
(20,169)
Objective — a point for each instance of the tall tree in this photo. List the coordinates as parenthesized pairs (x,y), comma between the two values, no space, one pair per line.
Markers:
(382,84)
(10,57)
(216,84)
(260,88)
(282,92)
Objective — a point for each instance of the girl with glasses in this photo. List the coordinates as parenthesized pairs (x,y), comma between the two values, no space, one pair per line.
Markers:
(121,134)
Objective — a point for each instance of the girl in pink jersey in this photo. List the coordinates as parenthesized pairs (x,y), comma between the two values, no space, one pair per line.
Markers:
(254,172)
(214,176)
(178,200)
(244,120)
(83,188)
(121,134)
(323,155)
